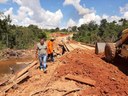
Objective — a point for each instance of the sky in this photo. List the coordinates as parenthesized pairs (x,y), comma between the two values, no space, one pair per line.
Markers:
(63,13)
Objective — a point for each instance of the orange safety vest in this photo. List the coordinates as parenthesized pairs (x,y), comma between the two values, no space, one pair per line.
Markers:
(50,47)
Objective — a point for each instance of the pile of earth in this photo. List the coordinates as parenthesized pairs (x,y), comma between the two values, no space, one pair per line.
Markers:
(109,79)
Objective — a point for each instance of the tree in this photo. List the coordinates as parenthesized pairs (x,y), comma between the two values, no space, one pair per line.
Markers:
(57,29)
(105,32)
(64,30)
(5,28)
(74,28)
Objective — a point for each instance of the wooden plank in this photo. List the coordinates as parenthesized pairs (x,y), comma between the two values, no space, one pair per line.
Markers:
(19,73)
(3,82)
(85,80)
(24,62)
(65,47)
(74,90)
(23,71)
(6,88)
(70,47)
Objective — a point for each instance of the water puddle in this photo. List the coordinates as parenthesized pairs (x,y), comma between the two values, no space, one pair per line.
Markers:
(7,65)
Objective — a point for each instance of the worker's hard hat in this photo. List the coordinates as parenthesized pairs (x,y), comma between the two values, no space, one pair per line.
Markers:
(52,38)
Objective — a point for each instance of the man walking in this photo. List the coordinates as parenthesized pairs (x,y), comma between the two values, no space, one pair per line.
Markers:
(41,49)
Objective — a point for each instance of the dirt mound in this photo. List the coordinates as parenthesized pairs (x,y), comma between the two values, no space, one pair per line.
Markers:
(109,79)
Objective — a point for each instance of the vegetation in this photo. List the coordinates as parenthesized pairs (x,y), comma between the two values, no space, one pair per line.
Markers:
(105,32)
(18,37)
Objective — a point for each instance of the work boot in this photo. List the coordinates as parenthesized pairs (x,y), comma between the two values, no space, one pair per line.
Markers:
(41,69)
(45,71)
(52,60)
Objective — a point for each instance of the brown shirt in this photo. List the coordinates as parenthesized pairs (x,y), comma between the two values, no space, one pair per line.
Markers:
(41,49)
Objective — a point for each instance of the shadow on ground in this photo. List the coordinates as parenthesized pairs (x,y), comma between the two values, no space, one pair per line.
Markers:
(121,63)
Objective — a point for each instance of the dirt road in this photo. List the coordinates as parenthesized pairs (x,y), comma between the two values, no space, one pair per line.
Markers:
(81,62)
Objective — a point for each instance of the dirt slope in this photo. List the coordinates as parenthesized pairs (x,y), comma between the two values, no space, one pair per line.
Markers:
(109,79)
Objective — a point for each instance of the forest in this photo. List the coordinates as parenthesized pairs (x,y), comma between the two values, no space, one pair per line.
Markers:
(20,37)
(105,32)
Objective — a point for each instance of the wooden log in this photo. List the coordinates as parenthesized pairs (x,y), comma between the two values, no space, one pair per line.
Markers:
(23,71)
(74,90)
(3,82)
(85,80)
(24,62)
(6,88)
(42,90)
(36,91)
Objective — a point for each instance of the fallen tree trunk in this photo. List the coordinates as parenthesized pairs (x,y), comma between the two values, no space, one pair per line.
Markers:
(6,88)
(85,80)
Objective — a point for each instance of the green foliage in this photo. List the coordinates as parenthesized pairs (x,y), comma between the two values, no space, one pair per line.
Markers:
(105,32)
(54,30)
(24,37)
(18,37)
(57,29)
(74,28)
(64,30)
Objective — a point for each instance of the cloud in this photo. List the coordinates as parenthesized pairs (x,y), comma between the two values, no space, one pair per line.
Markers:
(76,3)
(110,18)
(124,11)
(88,15)
(19,2)
(33,13)
(126,15)
(9,11)
(71,23)
(88,18)
(3,1)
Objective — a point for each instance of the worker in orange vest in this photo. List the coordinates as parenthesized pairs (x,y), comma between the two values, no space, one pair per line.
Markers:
(50,49)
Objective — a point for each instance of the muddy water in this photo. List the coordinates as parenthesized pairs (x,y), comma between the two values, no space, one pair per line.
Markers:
(6,64)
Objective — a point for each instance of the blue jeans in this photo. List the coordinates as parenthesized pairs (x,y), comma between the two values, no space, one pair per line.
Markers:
(42,59)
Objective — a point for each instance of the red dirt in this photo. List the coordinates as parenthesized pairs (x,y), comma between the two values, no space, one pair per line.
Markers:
(58,34)
(73,41)
(109,79)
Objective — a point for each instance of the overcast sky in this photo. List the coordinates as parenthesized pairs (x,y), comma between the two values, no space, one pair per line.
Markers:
(63,13)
